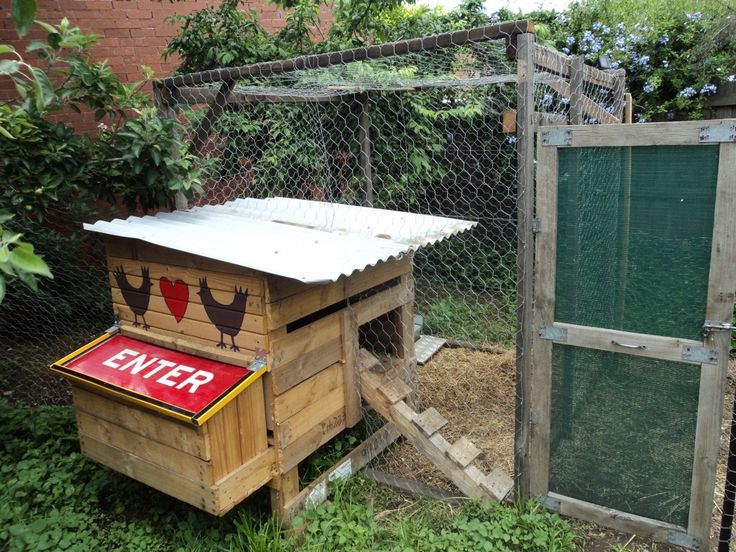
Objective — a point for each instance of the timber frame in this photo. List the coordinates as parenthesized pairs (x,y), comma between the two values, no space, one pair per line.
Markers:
(534,471)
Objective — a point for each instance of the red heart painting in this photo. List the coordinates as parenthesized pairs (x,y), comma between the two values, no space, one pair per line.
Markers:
(176,296)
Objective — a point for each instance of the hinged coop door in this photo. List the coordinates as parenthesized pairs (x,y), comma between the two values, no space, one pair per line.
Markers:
(634,289)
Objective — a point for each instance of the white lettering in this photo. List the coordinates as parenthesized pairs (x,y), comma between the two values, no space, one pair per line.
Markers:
(138,364)
(161,364)
(174,373)
(120,356)
(200,377)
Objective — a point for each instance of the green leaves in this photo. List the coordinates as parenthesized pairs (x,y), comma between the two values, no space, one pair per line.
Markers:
(18,259)
(23,12)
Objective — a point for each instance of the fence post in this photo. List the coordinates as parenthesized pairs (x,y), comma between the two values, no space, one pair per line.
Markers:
(525,252)
(576,90)
(364,136)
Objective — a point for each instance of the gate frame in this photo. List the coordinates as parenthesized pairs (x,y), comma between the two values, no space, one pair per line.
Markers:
(534,472)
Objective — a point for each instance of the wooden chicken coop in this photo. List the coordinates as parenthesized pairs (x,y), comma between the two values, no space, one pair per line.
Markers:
(241,330)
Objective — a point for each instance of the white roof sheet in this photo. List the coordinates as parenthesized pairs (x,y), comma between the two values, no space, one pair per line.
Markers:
(309,241)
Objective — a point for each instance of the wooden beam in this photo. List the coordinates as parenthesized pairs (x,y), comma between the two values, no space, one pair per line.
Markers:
(192,95)
(444,40)
(364,161)
(217,106)
(577,90)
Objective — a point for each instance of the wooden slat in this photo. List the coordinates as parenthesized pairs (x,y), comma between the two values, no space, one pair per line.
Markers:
(614,519)
(463,452)
(188,439)
(244,481)
(308,338)
(534,470)
(333,422)
(366,361)
(284,488)
(216,281)
(280,313)
(252,420)
(223,433)
(350,464)
(577,90)
(162,479)
(394,391)
(678,133)
(286,375)
(195,310)
(382,302)
(721,288)
(312,416)
(586,104)
(604,79)
(350,347)
(430,421)
(190,345)
(651,346)
(308,392)
(551,60)
(167,457)
(375,275)
(498,483)
(206,331)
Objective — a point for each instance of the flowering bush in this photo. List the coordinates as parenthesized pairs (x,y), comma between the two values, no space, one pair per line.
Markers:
(673,66)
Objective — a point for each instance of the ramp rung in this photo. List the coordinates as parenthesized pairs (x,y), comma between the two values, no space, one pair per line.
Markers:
(463,452)
(394,391)
(430,421)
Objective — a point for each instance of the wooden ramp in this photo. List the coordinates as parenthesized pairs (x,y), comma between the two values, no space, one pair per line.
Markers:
(387,396)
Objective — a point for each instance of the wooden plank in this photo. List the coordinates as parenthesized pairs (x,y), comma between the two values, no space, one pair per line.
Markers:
(216,281)
(244,481)
(246,341)
(411,486)
(629,108)
(308,392)
(308,338)
(534,468)
(679,133)
(188,439)
(312,416)
(331,424)
(193,96)
(614,519)
(616,341)
(382,302)
(550,59)
(287,375)
(252,420)
(317,491)
(160,478)
(463,452)
(721,288)
(284,488)
(223,433)
(366,361)
(376,275)
(508,121)
(394,391)
(350,346)
(549,119)
(364,139)
(430,421)
(577,90)
(498,483)
(167,457)
(141,251)
(586,104)
(191,345)
(280,313)
(525,183)
(403,338)
(195,310)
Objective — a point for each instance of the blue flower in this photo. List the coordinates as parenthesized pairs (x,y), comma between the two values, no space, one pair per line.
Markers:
(731,78)
(547,100)
(695,16)
(665,63)
(597,26)
(688,92)
(648,88)
(606,30)
(511,139)
(709,89)
(664,39)
(570,40)
(564,101)
(560,18)
(566,50)
(643,60)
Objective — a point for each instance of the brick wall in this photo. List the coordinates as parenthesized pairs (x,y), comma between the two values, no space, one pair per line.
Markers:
(134,33)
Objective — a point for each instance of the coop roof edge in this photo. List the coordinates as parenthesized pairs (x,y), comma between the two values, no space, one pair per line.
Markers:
(313,242)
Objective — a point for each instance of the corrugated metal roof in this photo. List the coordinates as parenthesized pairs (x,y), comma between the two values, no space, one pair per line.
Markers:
(309,241)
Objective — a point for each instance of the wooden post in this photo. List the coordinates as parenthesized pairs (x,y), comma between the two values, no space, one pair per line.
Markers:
(364,136)
(284,488)
(576,90)
(163,102)
(629,109)
(525,252)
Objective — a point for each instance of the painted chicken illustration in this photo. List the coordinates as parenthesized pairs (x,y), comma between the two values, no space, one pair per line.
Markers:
(136,298)
(226,318)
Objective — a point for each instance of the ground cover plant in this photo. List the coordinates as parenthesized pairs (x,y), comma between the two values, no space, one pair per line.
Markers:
(55,499)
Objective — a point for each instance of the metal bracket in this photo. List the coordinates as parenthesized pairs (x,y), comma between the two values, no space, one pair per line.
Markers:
(557,137)
(683,539)
(553,333)
(711,325)
(714,134)
(700,355)
(536,225)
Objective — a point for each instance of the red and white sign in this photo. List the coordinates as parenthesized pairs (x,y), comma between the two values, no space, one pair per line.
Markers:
(167,378)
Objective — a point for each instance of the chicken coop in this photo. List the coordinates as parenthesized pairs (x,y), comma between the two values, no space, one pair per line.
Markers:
(247,334)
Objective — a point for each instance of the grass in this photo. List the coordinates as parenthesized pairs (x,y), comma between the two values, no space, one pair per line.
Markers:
(55,499)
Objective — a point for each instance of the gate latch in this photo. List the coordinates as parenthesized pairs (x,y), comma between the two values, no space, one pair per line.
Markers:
(716,325)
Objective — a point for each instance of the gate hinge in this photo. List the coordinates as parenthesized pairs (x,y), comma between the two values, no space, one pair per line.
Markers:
(536,225)
(714,134)
(699,354)
(557,137)
(679,538)
(553,333)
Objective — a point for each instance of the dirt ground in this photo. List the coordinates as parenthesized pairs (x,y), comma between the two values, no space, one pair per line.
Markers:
(475,392)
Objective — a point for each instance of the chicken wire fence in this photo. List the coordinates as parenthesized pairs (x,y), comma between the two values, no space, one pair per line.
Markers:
(441,125)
